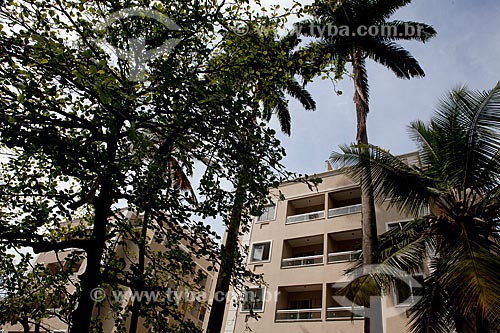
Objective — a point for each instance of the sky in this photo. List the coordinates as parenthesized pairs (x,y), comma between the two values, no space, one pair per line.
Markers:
(466,50)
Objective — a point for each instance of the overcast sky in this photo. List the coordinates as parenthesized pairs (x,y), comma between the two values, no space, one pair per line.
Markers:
(465,51)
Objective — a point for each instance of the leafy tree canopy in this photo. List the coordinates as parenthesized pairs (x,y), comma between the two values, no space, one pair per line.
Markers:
(85,131)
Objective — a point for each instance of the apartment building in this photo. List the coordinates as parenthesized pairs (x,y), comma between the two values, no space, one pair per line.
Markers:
(302,246)
(191,308)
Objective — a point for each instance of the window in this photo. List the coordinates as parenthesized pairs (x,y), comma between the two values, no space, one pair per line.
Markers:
(407,288)
(201,316)
(261,252)
(73,265)
(253,300)
(399,224)
(196,308)
(268,214)
(55,300)
(54,267)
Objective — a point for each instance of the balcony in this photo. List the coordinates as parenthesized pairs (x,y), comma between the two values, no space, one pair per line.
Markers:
(346,256)
(344,246)
(339,307)
(299,303)
(346,210)
(303,251)
(298,315)
(344,202)
(344,312)
(302,261)
(306,209)
(305,217)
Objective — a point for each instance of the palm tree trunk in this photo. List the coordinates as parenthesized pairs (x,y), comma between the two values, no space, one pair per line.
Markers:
(229,253)
(369,220)
(136,307)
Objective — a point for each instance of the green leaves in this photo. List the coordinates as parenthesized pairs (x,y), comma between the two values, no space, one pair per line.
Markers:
(89,142)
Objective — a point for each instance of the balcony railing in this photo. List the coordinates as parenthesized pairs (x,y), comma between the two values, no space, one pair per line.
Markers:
(346,256)
(346,210)
(302,261)
(298,315)
(344,312)
(305,217)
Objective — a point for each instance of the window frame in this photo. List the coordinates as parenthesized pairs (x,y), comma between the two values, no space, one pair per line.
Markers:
(264,291)
(273,218)
(252,247)
(407,282)
(400,222)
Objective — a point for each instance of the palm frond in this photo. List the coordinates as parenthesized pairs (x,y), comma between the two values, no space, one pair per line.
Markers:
(310,28)
(407,30)
(275,102)
(407,248)
(394,57)
(432,313)
(409,190)
(360,289)
(419,133)
(297,91)
(471,269)
(380,10)
(312,59)
(465,130)
(459,180)
(482,123)
(364,81)
(283,115)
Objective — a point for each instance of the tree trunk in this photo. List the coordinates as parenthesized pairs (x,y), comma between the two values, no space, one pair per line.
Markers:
(229,252)
(91,279)
(369,220)
(136,307)
(26,325)
(81,318)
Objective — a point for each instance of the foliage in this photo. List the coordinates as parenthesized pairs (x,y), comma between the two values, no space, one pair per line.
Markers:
(43,290)
(455,194)
(268,70)
(84,140)
(342,28)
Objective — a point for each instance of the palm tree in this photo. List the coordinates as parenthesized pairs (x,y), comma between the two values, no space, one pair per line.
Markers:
(456,194)
(270,91)
(355,17)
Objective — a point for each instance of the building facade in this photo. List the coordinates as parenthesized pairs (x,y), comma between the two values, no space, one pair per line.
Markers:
(302,246)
